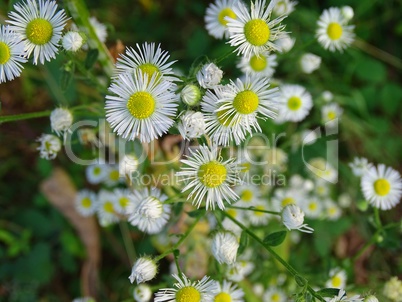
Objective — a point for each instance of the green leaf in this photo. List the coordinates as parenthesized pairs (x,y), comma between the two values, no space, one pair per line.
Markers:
(328,292)
(67,74)
(243,242)
(391,97)
(91,58)
(275,238)
(371,70)
(196,213)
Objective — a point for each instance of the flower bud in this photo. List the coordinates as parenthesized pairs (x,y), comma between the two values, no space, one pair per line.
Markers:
(60,120)
(224,247)
(309,62)
(192,125)
(209,76)
(73,41)
(144,269)
(293,218)
(191,95)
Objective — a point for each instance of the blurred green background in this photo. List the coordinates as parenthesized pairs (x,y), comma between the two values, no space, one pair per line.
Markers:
(40,253)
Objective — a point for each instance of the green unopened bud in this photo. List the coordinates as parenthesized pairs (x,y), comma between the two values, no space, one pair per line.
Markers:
(362,205)
(191,95)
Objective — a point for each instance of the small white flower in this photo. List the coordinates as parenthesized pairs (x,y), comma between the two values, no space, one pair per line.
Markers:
(347,12)
(122,200)
(228,292)
(337,278)
(39,24)
(112,177)
(128,164)
(327,96)
(96,173)
(262,64)
(191,95)
(293,218)
(274,294)
(284,7)
(332,210)
(49,146)
(224,247)
(285,43)
(309,62)
(312,207)
(185,290)
(275,159)
(258,217)
(209,76)
(295,103)
(249,195)
(382,187)
(144,269)
(359,166)
(331,112)
(283,197)
(106,208)
(11,54)
(61,120)
(239,270)
(85,202)
(393,289)
(100,29)
(142,293)
(371,298)
(191,125)
(345,200)
(72,41)
(342,297)
(215,18)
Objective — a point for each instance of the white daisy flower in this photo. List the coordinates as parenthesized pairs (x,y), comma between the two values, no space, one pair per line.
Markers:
(295,103)
(191,124)
(96,173)
(309,62)
(228,292)
(85,202)
(312,207)
(215,17)
(128,164)
(333,33)
(106,208)
(262,64)
(39,24)
(112,177)
(186,290)
(285,43)
(382,187)
(122,200)
(209,76)
(144,269)
(209,177)
(331,112)
(149,58)
(61,120)
(332,210)
(140,107)
(229,225)
(258,217)
(50,145)
(284,7)
(72,41)
(249,195)
(275,159)
(191,95)
(245,101)
(224,247)
(322,170)
(293,218)
(360,166)
(142,293)
(11,54)
(99,28)
(221,129)
(284,197)
(393,289)
(147,211)
(337,278)
(274,294)
(253,31)
(239,270)
(342,297)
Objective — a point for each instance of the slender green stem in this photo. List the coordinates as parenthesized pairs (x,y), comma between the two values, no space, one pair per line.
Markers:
(23,116)
(224,56)
(255,210)
(178,243)
(275,255)
(128,244)
(378,53)
(377,218)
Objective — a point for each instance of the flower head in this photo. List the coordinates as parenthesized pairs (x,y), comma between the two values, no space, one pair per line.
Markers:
(106,208)
(61,120)
(191,95)
(293,218)
(359,166)
(73,41)
(144,269)
(309,62)
(86,203)
(224,247)
(209,76)
(215,18)
(50,145)
(142,293)
(191,125)
(295,103)
(228,292)
(39,24)
(262,64)
(11,54)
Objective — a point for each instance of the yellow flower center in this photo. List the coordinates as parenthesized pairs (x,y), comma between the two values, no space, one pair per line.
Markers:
(336,281)
(294,103)
(312,206)
(247,195)
(39,31)
(257,32)
(246,102)
(141,105)
(225,119)
(4,53)
(382,187)
(286,201)
(97,170)
(108,207)
(258,213)
(223,297)
(212,174)
(226,12)
(276,298)
(150,69)
(123,202)
(114,175)
(258,63)
(188,294)
(334,31)
(86,202)
(331,115)
(332,211)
